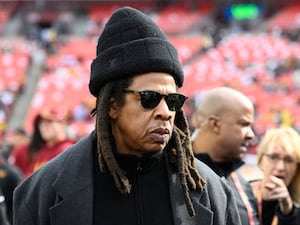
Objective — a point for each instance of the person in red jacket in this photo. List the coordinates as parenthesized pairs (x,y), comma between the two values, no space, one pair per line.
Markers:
(49,139)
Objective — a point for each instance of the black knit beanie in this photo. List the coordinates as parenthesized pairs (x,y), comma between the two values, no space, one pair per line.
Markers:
(131,44)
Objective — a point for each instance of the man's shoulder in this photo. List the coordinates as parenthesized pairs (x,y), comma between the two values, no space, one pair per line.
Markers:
(213,181)
(205,171)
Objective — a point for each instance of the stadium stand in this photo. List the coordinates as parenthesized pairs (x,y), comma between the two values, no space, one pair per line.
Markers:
(260,59)
(289,18)
(14,61)
(178,19)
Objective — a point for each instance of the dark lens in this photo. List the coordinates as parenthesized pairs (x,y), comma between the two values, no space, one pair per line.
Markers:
(175,101)
(150,99)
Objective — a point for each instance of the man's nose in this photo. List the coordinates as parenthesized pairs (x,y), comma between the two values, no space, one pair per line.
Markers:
(162,110)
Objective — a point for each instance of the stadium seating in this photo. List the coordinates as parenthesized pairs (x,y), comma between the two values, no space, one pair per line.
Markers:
(242,60)
(286,18)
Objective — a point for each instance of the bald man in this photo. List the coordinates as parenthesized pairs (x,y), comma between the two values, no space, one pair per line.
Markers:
(223,122)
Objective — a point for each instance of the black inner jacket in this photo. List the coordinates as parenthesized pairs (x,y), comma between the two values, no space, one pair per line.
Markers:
(147,204)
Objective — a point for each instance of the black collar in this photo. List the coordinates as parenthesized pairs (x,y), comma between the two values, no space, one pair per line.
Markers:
(220,168)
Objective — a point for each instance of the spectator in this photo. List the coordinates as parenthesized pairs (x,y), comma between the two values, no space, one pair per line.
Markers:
(278,192)
(81,112)
(13,138)
(48,140)
(139,155)
(223,121)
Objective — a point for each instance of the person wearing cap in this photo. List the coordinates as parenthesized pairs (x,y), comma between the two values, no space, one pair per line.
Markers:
(223,120)
(52,125)
(137,166)
(48,140)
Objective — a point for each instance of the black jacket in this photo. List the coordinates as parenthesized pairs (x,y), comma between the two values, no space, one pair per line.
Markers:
(3,213)
(61,192)
(224,170)
(10,177)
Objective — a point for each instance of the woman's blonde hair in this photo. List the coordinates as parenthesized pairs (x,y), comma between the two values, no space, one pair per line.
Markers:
(289,139)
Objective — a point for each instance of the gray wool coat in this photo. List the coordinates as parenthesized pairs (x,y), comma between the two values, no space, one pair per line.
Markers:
(61,193)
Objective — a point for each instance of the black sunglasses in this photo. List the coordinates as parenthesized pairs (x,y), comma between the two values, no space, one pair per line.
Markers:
(150,99)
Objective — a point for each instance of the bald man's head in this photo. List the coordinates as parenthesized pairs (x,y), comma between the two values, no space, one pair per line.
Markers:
(218,102)
(223,123)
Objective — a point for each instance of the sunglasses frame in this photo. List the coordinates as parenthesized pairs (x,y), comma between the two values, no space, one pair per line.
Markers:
(167,97)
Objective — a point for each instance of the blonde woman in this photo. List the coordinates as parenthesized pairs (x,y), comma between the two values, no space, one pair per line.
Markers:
(278,193)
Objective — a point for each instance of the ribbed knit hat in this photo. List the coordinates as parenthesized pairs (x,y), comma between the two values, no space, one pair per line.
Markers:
(131,44)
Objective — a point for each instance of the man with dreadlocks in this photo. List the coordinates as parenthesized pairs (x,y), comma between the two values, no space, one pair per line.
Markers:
(137,167)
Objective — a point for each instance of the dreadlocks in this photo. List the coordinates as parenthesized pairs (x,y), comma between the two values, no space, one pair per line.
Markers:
(182,155)
(105,153)
(179,148)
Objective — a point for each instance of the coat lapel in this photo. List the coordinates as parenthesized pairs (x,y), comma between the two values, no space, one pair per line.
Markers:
(74,185)
(180,212)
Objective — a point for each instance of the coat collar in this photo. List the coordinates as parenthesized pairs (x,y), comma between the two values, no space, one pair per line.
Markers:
(180,212)
(74,186)
(223,169)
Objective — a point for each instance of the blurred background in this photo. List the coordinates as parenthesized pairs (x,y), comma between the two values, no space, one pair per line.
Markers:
(46,48)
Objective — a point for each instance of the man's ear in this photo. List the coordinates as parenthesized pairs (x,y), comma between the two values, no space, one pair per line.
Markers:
(194,121)
(113,108)
(214,123)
